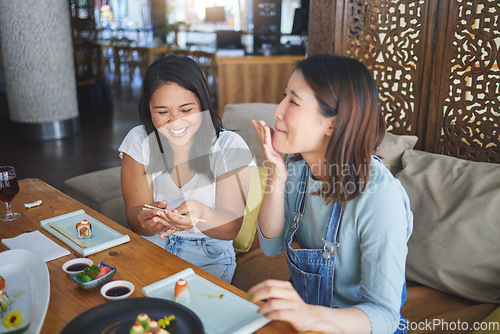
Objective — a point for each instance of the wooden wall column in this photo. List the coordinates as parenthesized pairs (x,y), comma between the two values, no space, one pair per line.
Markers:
(321,27)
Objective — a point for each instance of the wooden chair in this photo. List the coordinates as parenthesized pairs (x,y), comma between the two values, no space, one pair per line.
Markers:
(206,61)
(125,58)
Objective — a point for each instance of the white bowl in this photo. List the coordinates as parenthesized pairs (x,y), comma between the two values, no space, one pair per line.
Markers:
(83,260)
(126,284)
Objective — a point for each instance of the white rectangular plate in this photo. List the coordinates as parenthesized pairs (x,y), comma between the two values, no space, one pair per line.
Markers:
(103,236)
(220,311)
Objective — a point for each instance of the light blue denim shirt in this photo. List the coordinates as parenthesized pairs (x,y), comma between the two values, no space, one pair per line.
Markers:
(374,230)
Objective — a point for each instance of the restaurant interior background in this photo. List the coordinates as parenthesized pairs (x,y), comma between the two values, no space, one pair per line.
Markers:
(107,97)
(197,21)
(223,27)
(412,50)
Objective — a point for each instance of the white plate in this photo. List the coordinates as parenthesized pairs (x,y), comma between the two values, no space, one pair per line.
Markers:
(27,283)
(220,311)
(103,236)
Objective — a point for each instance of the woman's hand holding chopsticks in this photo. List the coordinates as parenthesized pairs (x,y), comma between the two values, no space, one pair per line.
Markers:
(167,221)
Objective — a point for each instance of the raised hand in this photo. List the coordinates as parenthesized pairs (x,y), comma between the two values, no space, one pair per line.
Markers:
(274,160)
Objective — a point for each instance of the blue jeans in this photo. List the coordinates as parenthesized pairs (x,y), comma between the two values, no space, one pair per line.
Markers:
(212,255)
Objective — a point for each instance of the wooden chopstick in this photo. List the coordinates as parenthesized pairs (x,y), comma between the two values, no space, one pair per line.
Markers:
(60,230)
(150,207)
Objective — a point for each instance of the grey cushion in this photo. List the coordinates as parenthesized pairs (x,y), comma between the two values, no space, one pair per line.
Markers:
(237,117)
(101,191)
(455,242)
(391,150)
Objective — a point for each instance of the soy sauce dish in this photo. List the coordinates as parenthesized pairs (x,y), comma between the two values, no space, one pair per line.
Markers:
(117,290)
(76,266)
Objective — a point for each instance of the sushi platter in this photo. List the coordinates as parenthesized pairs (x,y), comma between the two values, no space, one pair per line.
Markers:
(220,311)
(119,316)
(26,291)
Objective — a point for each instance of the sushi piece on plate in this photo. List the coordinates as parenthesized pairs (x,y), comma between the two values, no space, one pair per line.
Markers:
(142,319)
(4,298)
(84,229)
(137,329)
(181,291)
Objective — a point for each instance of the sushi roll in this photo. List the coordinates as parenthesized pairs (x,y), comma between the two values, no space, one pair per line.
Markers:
(84,229)
(181,291)
(142,319)
(136,329)
(152,325)
(4,302)
(4,298)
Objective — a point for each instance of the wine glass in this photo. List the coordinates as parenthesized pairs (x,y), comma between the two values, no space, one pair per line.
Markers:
(9,187)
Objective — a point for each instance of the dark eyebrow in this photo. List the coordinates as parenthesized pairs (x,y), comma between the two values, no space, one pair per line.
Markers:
(295,94)
(181,106)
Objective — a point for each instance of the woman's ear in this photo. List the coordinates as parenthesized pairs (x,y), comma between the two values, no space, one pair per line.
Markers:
(332,121)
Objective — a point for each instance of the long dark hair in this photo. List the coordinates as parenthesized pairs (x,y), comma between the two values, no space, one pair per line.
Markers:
(345,88)
(186,73)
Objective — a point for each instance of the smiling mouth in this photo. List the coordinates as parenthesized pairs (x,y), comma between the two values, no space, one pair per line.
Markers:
(177,132)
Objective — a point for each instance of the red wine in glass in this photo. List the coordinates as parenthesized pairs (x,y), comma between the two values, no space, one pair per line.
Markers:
(9,187)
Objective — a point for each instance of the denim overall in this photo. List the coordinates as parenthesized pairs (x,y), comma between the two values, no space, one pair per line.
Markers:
(313,270)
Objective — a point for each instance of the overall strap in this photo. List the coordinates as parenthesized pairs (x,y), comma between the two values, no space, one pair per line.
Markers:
(330,233)
(300,202)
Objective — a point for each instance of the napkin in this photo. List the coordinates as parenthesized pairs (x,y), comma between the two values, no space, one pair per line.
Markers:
(37,242)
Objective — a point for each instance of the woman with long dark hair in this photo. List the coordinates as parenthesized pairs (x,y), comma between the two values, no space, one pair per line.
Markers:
(350,216)
(182,161)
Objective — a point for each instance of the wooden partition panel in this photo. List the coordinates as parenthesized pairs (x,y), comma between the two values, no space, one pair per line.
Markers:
(390,38)
(436,64)
(464,117)
(253,79)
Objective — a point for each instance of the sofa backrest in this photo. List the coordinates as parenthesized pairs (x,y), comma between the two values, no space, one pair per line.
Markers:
(237,117)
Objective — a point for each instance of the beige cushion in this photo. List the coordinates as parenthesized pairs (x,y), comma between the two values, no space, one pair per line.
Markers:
(237,117)
(391,150)
(455,242)
(244,239)
(101,190)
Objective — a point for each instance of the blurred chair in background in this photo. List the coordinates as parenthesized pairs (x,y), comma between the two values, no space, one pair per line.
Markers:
(125,58)
(206,61)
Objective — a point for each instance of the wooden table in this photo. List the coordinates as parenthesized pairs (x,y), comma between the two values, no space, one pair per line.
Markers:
(150,52)
(138,261)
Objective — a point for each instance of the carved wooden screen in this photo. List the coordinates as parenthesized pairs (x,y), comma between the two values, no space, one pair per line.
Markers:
(467,99)
(389,37)
(436,63)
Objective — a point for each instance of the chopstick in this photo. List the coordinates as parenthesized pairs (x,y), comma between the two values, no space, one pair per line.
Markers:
(60,230)
(150,207)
